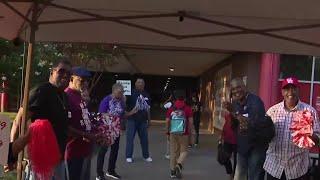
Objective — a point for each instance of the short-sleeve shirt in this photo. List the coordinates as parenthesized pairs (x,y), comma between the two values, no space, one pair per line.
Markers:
(47,102)
(77,147)
(112,106)
(141,115)
(188,113)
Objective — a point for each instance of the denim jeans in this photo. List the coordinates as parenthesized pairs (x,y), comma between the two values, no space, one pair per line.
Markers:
(250,166)
(140,126)
(112,158)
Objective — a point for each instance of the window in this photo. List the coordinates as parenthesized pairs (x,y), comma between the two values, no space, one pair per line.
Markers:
(298,66)
(317,69)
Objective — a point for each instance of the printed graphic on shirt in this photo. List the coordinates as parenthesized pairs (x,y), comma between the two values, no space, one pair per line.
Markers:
(85,121)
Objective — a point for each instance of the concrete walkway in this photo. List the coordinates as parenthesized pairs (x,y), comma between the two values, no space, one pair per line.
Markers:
(200,164)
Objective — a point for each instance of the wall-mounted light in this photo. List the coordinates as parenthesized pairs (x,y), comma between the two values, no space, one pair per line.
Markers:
(171,69)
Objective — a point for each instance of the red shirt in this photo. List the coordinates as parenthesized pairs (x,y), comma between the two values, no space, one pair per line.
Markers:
(228,134)
(187,111)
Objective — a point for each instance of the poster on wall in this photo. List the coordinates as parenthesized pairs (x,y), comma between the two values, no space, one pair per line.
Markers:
(4,139)
(221,94)
(126,86)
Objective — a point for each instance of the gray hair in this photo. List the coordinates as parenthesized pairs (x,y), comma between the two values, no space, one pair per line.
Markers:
(117,86)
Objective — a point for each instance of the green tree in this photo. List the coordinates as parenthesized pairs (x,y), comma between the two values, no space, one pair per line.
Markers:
(11,61)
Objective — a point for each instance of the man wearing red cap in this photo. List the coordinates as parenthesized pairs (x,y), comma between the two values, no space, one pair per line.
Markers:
(179,121)
(284,159)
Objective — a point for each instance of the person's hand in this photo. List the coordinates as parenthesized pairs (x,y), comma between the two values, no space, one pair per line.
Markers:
(9,167)
(227,105)
(133,111)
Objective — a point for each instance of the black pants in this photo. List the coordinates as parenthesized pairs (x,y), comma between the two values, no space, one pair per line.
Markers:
(112,158)
(196,123)
(75,168)
(283,177)
(230,149)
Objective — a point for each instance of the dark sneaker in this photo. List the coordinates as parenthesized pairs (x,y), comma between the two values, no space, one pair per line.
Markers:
(100,178)
(179,171)
(173,174)
(113,175)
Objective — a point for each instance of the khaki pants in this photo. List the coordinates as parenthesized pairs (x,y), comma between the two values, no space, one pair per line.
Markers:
(178,149)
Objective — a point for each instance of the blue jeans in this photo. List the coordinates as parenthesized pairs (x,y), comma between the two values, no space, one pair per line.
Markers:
(141,127)
(250,166)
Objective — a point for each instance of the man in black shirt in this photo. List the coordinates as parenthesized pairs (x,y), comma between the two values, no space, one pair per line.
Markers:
(139,121)
(48,101)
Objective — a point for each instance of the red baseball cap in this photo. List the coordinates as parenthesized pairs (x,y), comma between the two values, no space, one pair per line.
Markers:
(290,81)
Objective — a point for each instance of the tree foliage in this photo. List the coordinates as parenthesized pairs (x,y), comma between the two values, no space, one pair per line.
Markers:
(93,56)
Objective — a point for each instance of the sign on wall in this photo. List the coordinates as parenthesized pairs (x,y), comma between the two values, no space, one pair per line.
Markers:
(4,139)
(126,86)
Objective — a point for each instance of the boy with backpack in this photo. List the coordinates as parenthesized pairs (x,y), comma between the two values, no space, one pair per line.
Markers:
(179,121)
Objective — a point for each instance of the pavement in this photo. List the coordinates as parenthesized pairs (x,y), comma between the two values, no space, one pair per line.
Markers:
(200,164)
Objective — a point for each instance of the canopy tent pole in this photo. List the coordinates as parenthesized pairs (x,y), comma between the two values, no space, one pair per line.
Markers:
(33,28)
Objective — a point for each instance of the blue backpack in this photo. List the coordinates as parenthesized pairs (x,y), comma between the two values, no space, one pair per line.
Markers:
(178,121)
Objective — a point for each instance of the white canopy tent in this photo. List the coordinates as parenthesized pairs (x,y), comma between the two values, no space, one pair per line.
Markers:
(289,26)
(220,27)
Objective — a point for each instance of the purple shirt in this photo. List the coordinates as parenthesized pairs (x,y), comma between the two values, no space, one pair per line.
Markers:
(77,147)
(113,106)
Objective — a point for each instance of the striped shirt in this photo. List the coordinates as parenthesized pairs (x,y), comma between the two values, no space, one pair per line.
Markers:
(283,155)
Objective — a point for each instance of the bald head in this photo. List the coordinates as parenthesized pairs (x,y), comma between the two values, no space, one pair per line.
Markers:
(237,82)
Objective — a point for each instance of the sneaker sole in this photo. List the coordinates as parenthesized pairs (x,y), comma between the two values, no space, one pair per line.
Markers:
(111,176)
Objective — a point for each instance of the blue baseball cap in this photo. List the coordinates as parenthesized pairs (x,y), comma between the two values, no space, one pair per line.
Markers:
(80,71)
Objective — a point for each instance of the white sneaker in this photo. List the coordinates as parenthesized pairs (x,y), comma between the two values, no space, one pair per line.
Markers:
(167,156)
(149,159)
(129,160)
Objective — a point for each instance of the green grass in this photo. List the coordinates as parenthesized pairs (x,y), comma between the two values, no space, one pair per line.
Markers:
(10,176)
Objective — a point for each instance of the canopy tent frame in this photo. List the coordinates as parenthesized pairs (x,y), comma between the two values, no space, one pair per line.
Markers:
(121,20)
(38,7)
